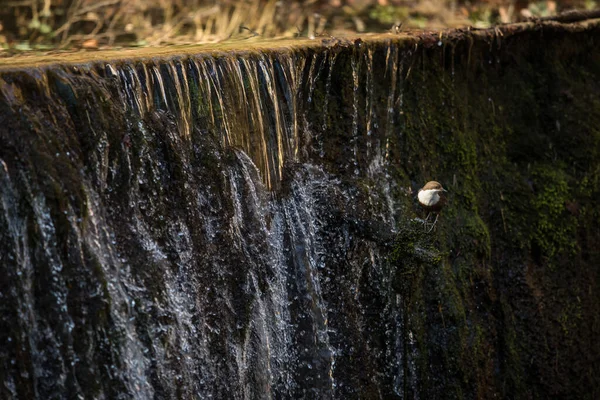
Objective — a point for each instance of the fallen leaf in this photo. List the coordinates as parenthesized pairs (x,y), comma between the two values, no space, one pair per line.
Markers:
(90,44)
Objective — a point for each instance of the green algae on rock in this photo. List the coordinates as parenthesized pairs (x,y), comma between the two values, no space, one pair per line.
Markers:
(514,134)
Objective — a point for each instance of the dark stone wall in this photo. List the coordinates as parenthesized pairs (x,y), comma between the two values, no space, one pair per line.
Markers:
(502,299)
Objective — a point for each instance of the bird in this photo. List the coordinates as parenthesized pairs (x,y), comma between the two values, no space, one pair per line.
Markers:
(432,198)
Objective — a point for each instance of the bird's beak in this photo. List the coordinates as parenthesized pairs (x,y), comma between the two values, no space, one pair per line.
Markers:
(443,190)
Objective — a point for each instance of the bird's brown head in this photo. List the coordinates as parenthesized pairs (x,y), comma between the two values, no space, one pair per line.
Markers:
(433,185)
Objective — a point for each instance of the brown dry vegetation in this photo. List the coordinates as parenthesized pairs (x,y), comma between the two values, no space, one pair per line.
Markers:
(51,24)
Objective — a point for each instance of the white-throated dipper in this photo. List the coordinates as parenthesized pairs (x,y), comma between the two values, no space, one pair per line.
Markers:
(432,198)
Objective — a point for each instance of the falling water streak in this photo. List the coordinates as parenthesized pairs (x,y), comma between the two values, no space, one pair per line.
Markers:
(278,157)
(405,378)
(235,225)
(186,293)
(285,78)
(119,279)
(42,84)
(273,334)
(57,289)
(369,100)
(332,58)
(258,113)
(126,286)
(204,95)
(356,60)
(394,110)
(266,67)
(392,66)
(183,97)
(110,70)
(24,270)
(452,83)
(235,109)
(126,91)
(204,78)
(157,82)
(210,71)
(293,74)
(413,352)
(453,59)
(263,327)
(140,94)
(245,109)
(280,284)
(312,76)
(402,78)
(215,74)
(399,349)
(278,339)
(143,76)
(129,88)
(41,80)
(179,296)
(301,208)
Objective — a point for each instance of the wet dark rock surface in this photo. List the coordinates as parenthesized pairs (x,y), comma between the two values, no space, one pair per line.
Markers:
(244,225)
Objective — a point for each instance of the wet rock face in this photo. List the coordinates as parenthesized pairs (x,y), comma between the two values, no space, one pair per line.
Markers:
(144,253)
(244,226)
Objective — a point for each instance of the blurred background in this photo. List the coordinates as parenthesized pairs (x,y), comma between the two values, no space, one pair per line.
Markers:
(92,24)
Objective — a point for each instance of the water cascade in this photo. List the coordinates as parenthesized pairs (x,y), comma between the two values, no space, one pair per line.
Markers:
(241,224)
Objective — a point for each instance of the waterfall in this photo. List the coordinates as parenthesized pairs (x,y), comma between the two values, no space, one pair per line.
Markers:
(242,224)
(171,230)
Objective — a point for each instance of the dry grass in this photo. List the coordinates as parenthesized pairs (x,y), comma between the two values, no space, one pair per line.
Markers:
(51,24)
(93,23)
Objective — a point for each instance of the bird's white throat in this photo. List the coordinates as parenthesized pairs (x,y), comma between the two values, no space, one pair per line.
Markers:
(429,197)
